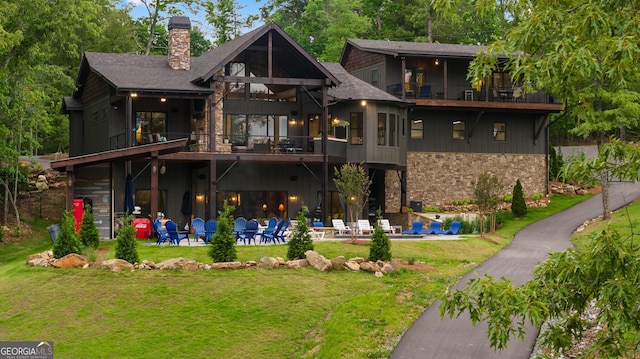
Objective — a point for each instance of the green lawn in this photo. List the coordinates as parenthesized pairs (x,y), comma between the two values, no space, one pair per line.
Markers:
(232,314)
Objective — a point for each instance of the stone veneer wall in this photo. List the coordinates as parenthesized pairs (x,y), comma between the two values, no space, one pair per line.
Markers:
(438,178)
(179,49)
(218,113)
(392,192)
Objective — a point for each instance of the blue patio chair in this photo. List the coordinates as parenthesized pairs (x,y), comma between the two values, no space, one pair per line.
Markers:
(425,91)
(175,236)
(416,228)
(434,228)
(198,228)
(250,231)
(238,227)
(454,228)
(160,233)
(282,233)
(210,228)
(272,237)
(317,224)
(271,227)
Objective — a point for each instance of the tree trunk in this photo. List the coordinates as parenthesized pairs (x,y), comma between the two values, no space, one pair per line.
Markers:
(604,179)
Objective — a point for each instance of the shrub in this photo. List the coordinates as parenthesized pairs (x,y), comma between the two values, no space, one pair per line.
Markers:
(68,240)
(518,206)
(223,243)
(300,241)
(89,234)
(537,196)
(508,198)
(433,209)
(126,247)
(380,244)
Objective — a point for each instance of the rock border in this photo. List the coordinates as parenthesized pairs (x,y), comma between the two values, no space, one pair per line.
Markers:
(313,259)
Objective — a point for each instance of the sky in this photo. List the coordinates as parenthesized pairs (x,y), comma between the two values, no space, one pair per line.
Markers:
(249,7)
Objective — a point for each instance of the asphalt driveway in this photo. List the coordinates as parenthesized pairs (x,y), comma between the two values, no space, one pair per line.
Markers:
(431,337)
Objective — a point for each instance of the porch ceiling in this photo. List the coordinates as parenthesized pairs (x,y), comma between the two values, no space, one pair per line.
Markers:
(122,154)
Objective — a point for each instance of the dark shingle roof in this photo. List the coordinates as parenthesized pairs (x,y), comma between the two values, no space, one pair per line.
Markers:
(398,48)
(352,87)
(142,73)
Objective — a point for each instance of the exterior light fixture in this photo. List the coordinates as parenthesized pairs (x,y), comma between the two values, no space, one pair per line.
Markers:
(437,62)
(162,99)
(363,103)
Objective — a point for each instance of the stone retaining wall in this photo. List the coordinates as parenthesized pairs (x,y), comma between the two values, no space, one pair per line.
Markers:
(438,178)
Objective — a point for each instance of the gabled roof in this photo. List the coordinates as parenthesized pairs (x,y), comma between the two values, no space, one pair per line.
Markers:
(129,72)
(405,48)
(300,63)
(352,88)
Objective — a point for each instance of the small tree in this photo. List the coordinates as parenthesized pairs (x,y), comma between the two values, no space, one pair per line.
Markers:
(380,244)
(353,186)
(223,243)
(518,205)
(89,234)
(67,240)
(300,239)
(487,195)
(126,248)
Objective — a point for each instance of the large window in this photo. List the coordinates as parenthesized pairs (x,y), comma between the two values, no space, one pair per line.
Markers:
(148,124)
(417,129)
(356,127)
(499,131)
(393,130)
(382,129)
(459,132)
(244,129)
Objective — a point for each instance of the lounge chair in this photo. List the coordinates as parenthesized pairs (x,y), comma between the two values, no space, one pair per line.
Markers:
(340,227)
(210,228)
(416,228)
(175,236)
(454,228)
(386,226)
(364,226)
(198,228)
(316,234)
(434,228)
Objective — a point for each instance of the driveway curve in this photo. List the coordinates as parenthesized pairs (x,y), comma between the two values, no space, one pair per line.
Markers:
(457,338)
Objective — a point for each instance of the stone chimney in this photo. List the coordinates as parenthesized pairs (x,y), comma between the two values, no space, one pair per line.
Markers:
(180,43)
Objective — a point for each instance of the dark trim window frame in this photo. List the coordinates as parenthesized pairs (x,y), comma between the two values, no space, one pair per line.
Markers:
(356,129)
(417,129)
(458,129)
(499,131)
(382,129)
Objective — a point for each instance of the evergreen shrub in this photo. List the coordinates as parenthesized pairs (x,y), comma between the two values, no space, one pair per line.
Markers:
(126,247)
(223,243)
(68,241)
(300,241)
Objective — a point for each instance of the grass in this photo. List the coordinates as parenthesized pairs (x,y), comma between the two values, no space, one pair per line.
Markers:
(232,314)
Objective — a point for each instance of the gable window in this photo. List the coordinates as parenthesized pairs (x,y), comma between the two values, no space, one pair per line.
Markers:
(382,129)
(356,127)
(235,90)
(375,81)
(499,131)
(148,124)
(393,132)
(416,129)
(459,130)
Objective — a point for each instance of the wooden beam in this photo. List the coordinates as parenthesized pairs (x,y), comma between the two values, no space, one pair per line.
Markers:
(541,127)
(271,80)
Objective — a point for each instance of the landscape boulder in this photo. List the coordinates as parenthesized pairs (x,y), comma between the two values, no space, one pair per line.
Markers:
(116,265)
(228,265)
(318,261)
(268,263)
(178,263)
(297,263)
(337,263)
(71,260)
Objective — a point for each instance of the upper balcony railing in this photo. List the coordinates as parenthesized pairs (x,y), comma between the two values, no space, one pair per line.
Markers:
(464,92)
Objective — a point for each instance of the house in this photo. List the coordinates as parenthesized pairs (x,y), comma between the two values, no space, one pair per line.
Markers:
(255,122)
(454,132)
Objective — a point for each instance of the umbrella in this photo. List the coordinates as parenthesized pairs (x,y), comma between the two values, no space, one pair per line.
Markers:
(129,205)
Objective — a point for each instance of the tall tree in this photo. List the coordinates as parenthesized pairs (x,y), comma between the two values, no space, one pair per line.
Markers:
(353,186)
(226,19)
(156,14)
(584,53)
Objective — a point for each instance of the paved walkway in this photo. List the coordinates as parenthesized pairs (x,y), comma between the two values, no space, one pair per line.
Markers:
(431,337)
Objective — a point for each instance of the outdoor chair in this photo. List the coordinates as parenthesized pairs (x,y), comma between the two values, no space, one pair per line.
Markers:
(386,226)
(210,228)
(434,228)
(340,227)
(454,228)
(284,231)
(238,227)
(160,233)
(364,226)
(250,231)
(198,228)
(416,228)
(425,91)
(175,236)
(315,234)
(273,236)
(271,227)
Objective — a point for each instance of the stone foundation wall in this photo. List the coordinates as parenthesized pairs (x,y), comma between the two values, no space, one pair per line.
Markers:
(438,178)
(392,192)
